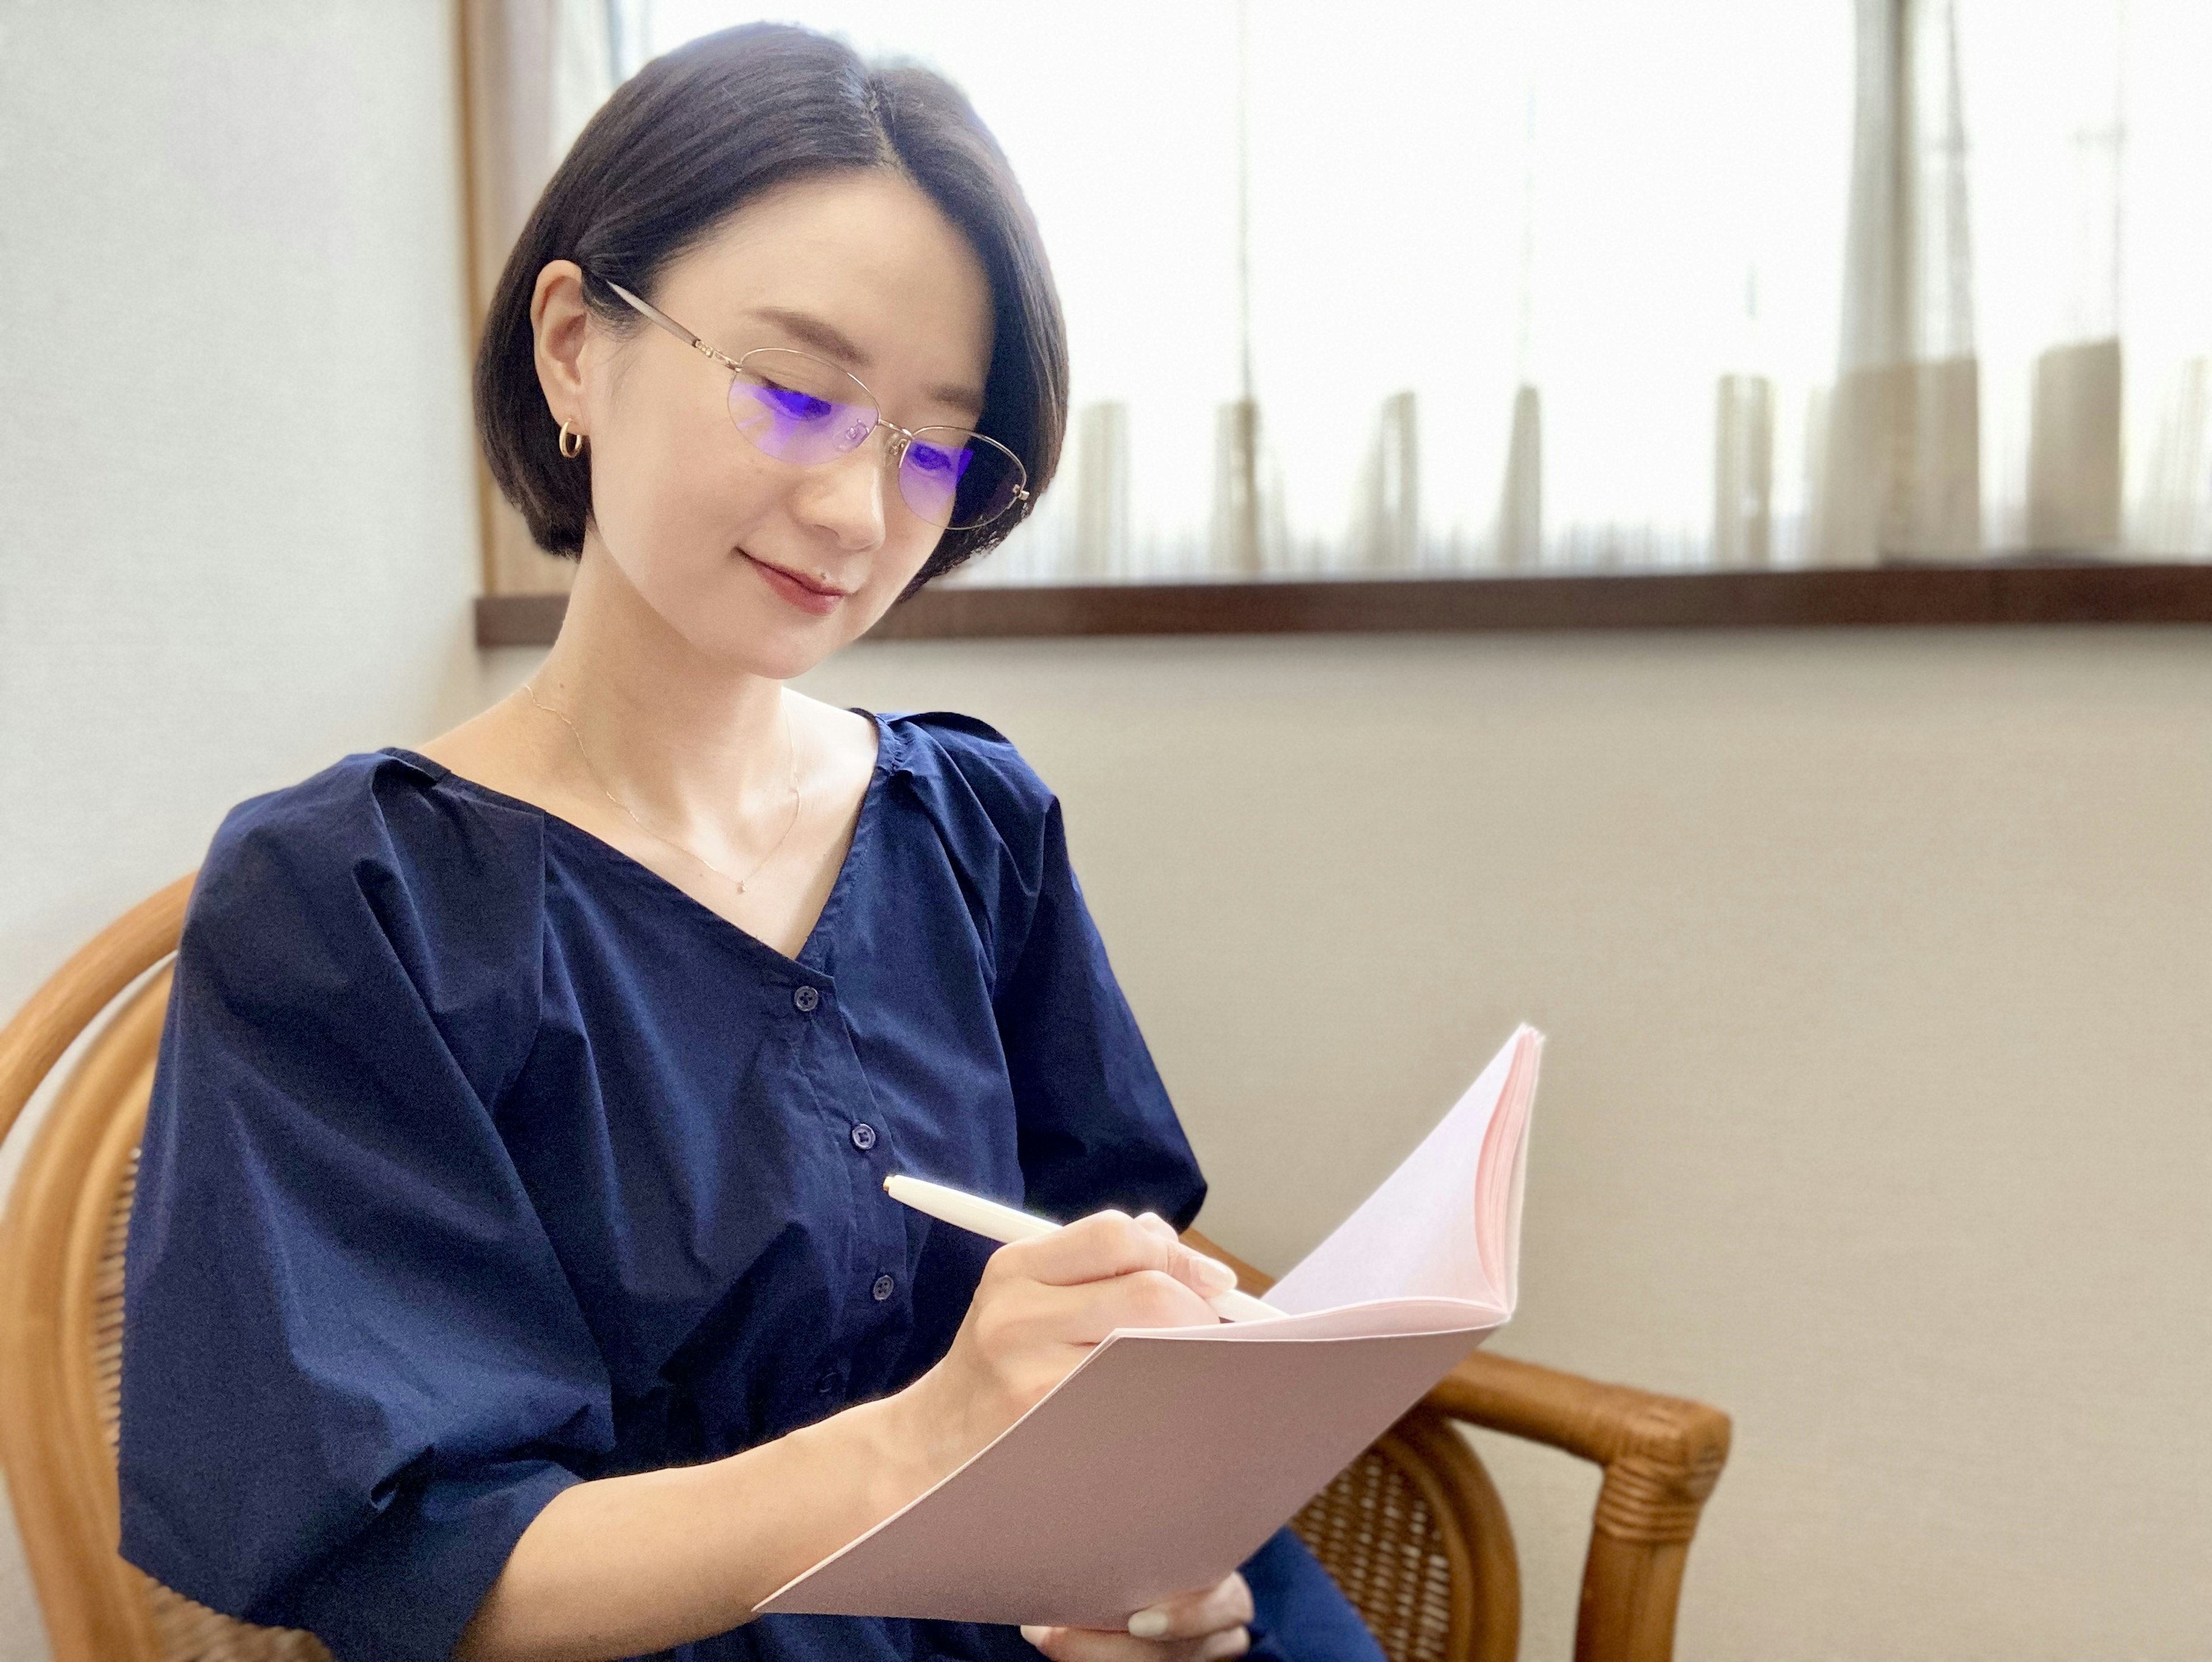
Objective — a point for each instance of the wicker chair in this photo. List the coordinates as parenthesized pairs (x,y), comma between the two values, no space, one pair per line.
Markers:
(1413,1531)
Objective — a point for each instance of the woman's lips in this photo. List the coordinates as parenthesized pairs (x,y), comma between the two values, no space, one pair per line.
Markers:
(807,596)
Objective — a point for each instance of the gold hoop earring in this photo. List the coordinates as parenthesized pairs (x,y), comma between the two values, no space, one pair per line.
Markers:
(572,441)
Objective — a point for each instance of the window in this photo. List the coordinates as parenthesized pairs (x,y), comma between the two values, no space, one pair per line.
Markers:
(1592,285)
(1564,286)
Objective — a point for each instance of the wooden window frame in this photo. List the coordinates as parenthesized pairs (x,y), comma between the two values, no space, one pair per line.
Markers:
(2056,592)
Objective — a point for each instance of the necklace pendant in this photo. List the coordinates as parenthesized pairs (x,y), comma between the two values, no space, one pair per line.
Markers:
(741,888)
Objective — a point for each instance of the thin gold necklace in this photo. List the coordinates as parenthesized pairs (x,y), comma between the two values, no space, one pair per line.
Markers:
(736,883)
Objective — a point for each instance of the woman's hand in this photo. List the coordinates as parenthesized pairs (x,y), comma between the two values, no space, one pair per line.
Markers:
(1041,1307)
(1192,1627)
(639,1563)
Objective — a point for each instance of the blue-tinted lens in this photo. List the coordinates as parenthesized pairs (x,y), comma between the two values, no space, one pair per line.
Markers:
(957,479)
(788,404)
(799,409)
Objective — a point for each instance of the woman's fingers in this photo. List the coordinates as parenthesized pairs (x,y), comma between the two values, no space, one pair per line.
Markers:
(1204,1625)
(1208,1277)
(1042,1305)
(1226,1603)
(1109,1243)
(1147,1298)
(1099,1645)
(1092,1249)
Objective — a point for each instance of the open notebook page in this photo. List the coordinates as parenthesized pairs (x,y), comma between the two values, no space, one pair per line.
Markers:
(1163,1459)
(1445,1224)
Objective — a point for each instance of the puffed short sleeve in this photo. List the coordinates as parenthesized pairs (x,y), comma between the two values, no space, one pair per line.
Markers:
(1096,1126)
(352,1370)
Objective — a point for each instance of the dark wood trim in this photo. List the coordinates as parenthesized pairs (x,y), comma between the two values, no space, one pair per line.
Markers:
(519,620)
(2072,593)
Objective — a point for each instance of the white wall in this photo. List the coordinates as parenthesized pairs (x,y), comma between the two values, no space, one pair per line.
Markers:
(236,508)
(1876,965)
(1877,968)
(237,520)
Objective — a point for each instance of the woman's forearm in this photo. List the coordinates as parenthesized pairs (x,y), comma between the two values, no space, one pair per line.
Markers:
(628,1565)
(631,1565)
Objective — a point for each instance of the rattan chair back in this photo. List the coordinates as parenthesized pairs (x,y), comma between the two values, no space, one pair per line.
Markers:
(61,1306)
(1413,1531)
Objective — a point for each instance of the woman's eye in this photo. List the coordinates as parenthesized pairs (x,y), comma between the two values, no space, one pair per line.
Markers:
(794,405)
(931,460)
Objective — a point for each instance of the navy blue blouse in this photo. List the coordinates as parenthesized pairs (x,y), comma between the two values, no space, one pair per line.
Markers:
(483,1160)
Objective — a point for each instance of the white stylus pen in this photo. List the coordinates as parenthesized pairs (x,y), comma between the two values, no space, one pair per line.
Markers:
(988,1219)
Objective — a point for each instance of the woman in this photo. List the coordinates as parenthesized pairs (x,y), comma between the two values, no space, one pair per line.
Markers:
(511,1275)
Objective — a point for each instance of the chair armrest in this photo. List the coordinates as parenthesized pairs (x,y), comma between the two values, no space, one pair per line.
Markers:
(1660,1455)
(1670,1450)
(1667,1451)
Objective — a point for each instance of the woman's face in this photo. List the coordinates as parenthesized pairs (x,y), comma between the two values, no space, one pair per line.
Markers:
(762,564)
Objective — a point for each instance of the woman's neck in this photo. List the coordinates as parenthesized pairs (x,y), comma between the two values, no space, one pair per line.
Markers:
(683,739)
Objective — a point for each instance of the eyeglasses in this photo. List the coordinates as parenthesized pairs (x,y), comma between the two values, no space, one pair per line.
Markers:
(805,411)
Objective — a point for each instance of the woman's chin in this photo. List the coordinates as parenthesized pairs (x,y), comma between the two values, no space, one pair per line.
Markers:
(741,615)
(777,650)
(760,635)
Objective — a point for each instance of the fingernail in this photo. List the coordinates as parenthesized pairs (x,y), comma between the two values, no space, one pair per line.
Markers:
(1153,1223)
(1035,1636)
(1218,1276)
(1148,1624)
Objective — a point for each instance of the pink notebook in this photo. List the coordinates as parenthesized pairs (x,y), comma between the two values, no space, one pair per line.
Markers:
(1168,1454)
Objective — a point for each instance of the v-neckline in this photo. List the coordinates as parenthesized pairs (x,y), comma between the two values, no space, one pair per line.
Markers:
(813,952)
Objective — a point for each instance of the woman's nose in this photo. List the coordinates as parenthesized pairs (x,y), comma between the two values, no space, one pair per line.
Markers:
(844,496)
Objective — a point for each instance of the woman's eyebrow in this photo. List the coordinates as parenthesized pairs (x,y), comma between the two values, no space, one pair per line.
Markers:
(826,337)
(811,330)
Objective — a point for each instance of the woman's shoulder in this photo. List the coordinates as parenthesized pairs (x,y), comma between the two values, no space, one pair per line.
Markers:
(959,756)
(390,827)
(391,802)
(997,821)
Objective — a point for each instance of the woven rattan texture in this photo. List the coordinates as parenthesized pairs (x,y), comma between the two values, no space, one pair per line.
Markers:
(189,1631)
(1375,1535)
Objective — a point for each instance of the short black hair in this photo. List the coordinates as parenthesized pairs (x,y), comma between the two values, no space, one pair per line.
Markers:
(690,138)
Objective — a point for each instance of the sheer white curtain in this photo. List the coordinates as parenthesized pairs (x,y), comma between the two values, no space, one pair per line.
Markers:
(2091,145)
(1565,284)
(532,72)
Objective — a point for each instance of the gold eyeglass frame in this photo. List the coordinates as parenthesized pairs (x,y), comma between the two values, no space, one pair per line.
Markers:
(894,455)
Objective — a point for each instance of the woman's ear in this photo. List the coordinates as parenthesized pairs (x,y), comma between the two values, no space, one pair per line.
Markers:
(559,320)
